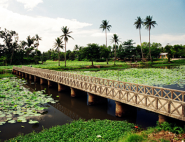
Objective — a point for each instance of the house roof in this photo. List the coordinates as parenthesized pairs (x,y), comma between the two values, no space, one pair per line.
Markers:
(163,53)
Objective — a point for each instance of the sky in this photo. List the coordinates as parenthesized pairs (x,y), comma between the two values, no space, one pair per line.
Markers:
(84,17)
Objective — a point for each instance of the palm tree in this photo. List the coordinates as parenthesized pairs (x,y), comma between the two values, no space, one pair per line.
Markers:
(58,44)
(115,40)
(66,35)
(148,25)
(76,47)
(138,24)
(37,38)
(105,26)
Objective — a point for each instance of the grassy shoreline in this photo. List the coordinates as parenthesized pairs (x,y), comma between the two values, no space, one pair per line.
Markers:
(104,130)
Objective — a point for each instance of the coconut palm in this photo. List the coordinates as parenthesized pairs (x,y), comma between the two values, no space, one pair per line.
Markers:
(138,24)
(148,25)
(37,38)
(105,27)
(115,39)
(58,44)
(66,35)
(76,47)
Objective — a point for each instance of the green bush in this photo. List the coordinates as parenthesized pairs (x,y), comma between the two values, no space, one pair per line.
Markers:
(133,138)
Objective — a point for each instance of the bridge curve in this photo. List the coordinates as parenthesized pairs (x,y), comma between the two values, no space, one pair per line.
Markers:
(168,102)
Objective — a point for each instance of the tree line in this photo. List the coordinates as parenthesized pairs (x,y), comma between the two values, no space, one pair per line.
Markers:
(26,51)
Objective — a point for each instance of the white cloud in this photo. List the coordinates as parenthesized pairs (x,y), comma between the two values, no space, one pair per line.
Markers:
(45,27)
(30,4)
(101,34)
(166,38)
(4,3)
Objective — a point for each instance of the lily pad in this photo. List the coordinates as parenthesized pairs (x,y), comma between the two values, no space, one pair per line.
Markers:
(33,122)
(12,121)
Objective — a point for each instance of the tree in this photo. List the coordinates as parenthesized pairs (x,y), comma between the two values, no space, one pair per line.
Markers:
(168,50)
(115,40)
(148,25)
(30,44)
(138,24)
(9,45)
(58,44)
(91,52)
(129,48)
(105,26)
(66,35)
(37,38)
(104,52)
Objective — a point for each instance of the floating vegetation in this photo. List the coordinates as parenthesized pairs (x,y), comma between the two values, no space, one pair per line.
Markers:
(18,104)
(146,76)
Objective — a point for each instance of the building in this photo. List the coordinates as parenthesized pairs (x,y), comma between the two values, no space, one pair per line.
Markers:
(163,55)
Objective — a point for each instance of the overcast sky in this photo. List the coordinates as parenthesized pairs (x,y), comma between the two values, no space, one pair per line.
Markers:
(83,17)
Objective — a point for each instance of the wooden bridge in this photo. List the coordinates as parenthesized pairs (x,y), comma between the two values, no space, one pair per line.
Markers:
(164,101)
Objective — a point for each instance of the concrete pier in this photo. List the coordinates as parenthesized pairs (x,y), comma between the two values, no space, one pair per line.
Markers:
(30,76)
(43,81)
(36,78)
(26,75)
(50,83)
(91,99)
(73,92)
(23,74)
(20,73)
(61,87)
(162,118)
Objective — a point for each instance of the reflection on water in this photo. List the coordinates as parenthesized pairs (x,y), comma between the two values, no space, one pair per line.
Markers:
(68,109)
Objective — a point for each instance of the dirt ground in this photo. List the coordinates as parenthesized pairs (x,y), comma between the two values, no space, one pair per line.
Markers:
(167,136)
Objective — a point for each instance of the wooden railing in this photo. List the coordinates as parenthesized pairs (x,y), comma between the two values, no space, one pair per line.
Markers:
(165,101)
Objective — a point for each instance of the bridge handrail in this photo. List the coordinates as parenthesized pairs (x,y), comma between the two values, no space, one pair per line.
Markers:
(139,88)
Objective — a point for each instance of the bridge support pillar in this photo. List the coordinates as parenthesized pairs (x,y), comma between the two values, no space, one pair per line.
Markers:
(61,87)
(121,109)
(13,71)
(91,99)
(73,92)
(162,118)
(30,76)
(20,73)
(36,78)
(23,74)
(50,83)
(26,75)
(42,81)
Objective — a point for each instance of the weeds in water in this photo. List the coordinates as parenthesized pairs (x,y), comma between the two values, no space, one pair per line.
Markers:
(170,127)
(88,131)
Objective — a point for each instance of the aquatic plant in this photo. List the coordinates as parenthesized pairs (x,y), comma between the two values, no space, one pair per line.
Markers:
(146,76)
(17,104)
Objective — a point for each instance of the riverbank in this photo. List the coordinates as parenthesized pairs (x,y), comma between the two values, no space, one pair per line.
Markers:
(105,130)
(86,65)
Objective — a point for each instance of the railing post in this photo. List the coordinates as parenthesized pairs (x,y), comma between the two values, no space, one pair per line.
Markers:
(169,106)
(171,94)
(156,103)
(153,91)
(161,92)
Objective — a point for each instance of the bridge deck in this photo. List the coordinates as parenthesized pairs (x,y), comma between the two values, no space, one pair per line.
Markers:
(169,102)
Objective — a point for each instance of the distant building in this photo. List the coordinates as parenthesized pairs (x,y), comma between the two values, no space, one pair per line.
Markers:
(163,55)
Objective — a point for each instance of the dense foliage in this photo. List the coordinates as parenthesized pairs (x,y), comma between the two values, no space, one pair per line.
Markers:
(92,130)
(150,76)
(14,52)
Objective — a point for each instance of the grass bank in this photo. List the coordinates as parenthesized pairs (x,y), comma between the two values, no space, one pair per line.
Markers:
(81,131)
(6,75)
(95,130)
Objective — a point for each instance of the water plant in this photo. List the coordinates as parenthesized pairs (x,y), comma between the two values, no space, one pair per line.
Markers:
(18,104)
(146,76)
(81,130)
